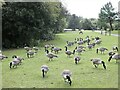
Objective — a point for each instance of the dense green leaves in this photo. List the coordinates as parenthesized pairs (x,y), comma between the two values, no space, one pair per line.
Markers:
(107,15)
(29,22)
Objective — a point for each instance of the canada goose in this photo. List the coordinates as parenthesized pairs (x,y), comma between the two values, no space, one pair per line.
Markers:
(90,46)
(36,49)
(80,42)
(98,41)
(82,47)
(66,74)
(55,49)
(30,53)
(18,58)
(80,32)
(115,48)
(68,52)
(70,43)
(44,69)
(111,53)
(77,59)
(115,56)
(15,62)
(50,55)
(2,56)
(79,50)
(97,61)
(97,38)
(27,48)
(93,44)
(102,49)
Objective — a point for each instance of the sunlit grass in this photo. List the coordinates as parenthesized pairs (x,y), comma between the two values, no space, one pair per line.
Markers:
(84,75)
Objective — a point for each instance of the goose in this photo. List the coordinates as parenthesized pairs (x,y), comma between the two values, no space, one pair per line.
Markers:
(2,56)
(80,42)
(27,48)
(98,42)
(70,43)
(55,49)
(68,52)
(18,58)
(90,46)
(77,59)
(82,47)
(111,53)
(97,61)
(79,50)
(115,56)
(66,74)
(36,49)
(115,48)
(97,38)
(44,69)
(14,63)
(102,49)
(80,32)
(50,55)
(30,53)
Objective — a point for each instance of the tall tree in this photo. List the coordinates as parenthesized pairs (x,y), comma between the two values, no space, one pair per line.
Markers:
(74,22)
(28,22)
(107,15)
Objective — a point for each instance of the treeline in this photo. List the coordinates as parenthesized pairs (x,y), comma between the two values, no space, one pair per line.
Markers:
(77,22)
(108,19)
(27,23)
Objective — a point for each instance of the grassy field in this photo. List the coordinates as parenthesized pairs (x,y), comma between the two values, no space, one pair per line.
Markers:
(116,32)
(84,75)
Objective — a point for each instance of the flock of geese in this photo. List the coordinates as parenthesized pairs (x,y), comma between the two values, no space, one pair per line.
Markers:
(52,51)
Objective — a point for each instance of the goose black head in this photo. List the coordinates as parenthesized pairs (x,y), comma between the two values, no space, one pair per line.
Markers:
(14,56)
(106,49)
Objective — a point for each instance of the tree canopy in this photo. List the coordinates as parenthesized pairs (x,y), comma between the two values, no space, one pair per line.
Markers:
(107,15)
(29,22)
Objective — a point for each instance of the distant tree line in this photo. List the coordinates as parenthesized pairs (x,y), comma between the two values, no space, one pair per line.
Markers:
(108,19)
(28,23)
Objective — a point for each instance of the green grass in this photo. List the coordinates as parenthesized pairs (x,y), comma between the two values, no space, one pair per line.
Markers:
(116,32)
(84,75)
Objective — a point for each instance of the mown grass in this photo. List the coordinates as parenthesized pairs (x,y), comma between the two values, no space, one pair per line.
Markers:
(116,32)
(84,75)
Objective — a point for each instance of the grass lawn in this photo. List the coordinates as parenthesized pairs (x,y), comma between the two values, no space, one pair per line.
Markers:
(116,32)
(84,74)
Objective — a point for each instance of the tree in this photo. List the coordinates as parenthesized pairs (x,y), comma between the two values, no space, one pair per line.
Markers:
(107,15)
(29,22)
(74,22)
(86,24)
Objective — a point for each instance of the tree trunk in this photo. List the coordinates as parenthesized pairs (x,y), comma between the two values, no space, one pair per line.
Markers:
(111,27)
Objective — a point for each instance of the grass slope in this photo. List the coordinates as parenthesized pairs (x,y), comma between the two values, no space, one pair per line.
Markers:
(84,75)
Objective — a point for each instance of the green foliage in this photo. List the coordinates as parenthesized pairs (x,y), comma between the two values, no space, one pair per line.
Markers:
(87,25)
(107,15)
(26,22)
(74,22)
